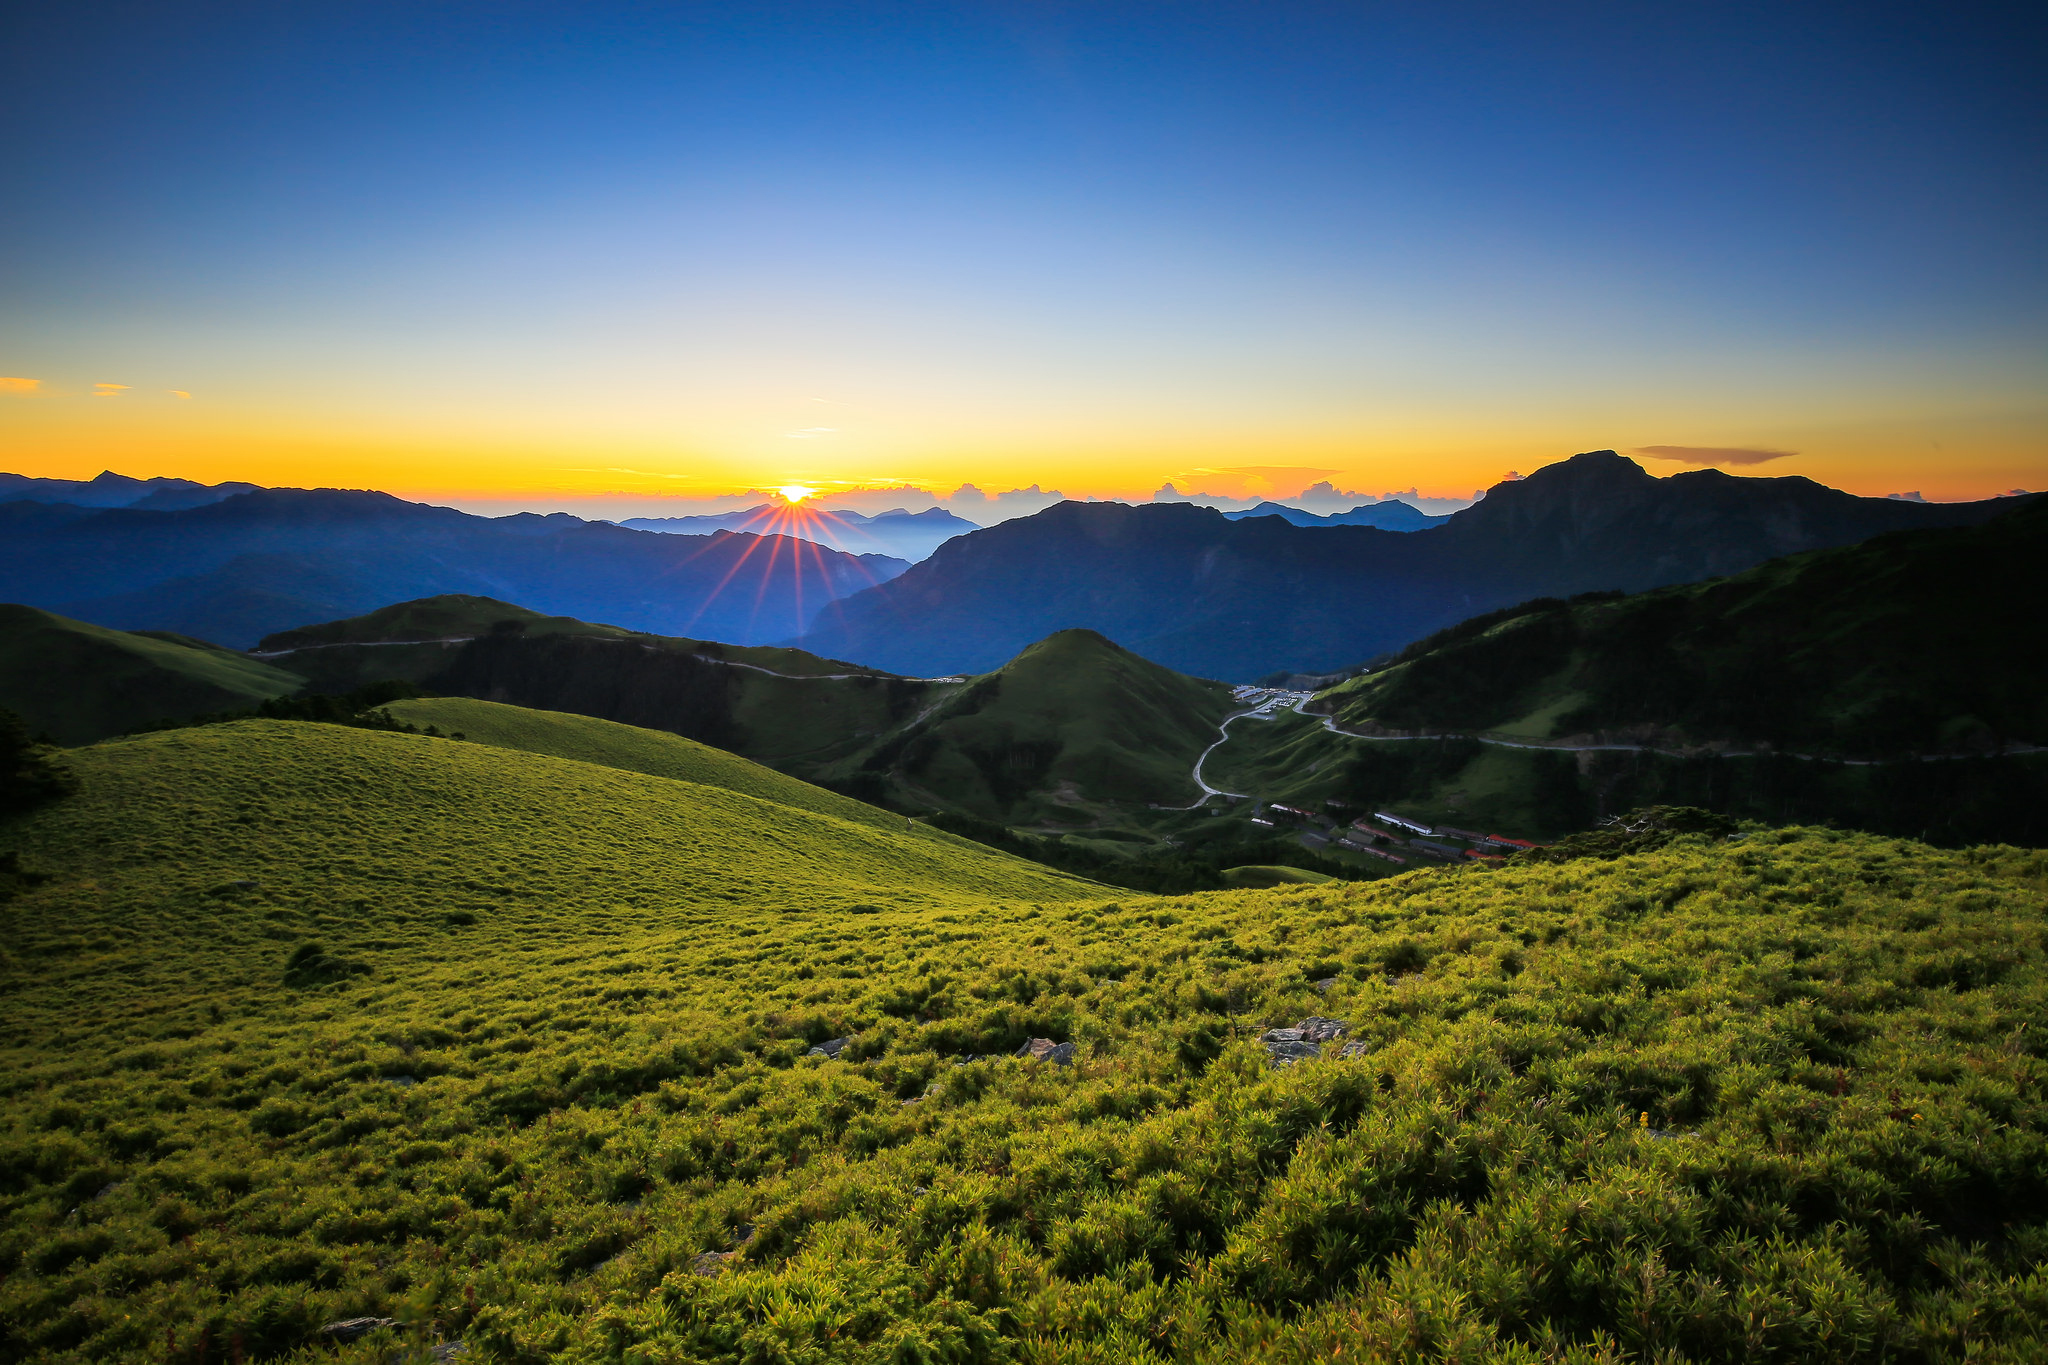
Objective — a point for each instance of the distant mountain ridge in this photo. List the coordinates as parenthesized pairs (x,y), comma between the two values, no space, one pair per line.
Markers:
(1389,515)
(245,566)
(108,489)
(1191,588)
(897,532)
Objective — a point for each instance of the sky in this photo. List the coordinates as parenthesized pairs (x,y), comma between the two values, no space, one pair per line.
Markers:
(541,254)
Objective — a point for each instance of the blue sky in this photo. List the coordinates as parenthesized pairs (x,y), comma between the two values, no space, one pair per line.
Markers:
(503,246)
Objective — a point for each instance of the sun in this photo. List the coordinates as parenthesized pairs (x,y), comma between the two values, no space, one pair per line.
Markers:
(795,492)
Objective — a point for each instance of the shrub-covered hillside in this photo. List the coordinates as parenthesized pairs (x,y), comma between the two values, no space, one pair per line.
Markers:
(306,1024)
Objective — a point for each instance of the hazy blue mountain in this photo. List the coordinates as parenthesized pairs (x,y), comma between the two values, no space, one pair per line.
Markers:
(903,534)
(109,489)
(1193,589)
(241,568)
(1391,515)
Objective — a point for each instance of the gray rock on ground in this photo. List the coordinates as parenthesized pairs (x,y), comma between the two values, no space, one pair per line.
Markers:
(831,1047)
(1046,1050)
(1287,1046)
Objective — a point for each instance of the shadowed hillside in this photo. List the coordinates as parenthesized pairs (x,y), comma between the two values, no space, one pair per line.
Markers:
(1883,686)
(1905,643)
(78,682)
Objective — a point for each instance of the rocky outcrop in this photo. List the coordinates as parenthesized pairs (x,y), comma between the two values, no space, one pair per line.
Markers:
(1046,1050)
(1304,1041)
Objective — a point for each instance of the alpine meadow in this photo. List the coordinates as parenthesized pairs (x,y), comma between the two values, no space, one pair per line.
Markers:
(986,684)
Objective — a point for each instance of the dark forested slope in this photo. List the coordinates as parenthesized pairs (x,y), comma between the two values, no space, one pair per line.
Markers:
(1906,642)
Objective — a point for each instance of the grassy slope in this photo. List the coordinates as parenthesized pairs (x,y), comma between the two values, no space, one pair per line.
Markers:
(589,740)
(81,682)
(1904,643)
(1071,729)
(610,1082)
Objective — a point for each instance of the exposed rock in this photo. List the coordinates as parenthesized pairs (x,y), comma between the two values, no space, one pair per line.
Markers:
(1287,1046)
(1326,985)
(448,1350)
(710,1262)
(1288,1051)
(743,1234)
(348,1329)
(831,1047)
(1046,1050)
(1352,1051)
(401,1080)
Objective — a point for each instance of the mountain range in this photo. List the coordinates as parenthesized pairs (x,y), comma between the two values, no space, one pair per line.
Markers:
(247,565)
(1389,515)
(897,532)
(1191,588)
(108,489)
(1532,720)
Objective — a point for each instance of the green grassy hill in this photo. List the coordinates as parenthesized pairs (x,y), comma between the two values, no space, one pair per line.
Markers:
(79,682)
(305,1024)
(609,744)
(1074,730)
(1905,643)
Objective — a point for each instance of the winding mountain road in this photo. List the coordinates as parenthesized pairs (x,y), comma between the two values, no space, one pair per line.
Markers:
(1330,724)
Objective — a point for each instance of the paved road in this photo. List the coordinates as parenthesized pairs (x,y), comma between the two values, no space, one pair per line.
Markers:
(1263,711)
(1330,724)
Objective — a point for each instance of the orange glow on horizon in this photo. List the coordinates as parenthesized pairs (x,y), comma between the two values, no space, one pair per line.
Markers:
(151,431)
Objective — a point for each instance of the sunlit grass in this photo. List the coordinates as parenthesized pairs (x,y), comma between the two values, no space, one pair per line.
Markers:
(1772,1099)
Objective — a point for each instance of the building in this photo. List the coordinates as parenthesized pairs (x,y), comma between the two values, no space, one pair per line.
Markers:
(1370,851)
(1398,823)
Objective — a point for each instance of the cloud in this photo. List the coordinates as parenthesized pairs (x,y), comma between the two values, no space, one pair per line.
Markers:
(177,393)
(1712,454)
(19,385)
(108,390)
